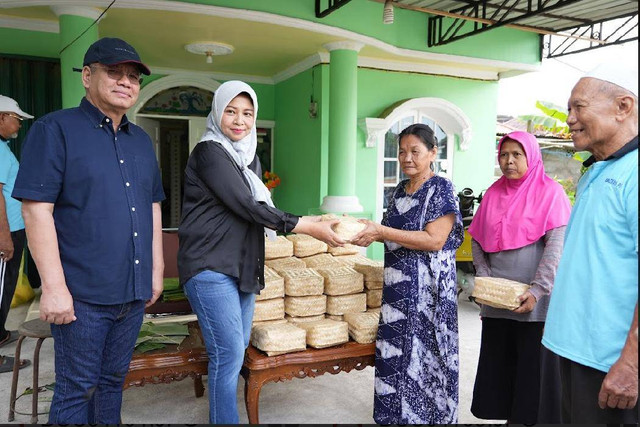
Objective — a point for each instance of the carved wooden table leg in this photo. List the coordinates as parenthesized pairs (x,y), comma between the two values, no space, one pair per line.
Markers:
(197,386)
(253,382)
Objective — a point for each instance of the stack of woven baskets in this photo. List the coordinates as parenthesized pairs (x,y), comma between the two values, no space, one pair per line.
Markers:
(315,296)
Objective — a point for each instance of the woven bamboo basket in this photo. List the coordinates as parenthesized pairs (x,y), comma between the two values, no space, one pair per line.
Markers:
(273,285)
(347,249)
(351,260)
(336,317)
(363,327)
(303,319)
(268,322)
(341,280)
(284,264)
(498,292)
(320,260)
(341,304)
(269,309)
(347,227)
(278,339)
(304,245)
(302,282)
(305,306)
(374,298)
(373,285)
(373,271)
(279,248)
(325,333)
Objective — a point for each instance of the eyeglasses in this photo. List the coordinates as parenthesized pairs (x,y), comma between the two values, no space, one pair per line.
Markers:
(117,74)
(14,116)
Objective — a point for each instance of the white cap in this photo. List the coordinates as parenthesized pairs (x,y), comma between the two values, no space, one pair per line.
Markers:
(625,76)
(9,105)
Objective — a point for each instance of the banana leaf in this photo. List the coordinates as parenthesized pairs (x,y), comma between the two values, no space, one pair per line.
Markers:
(168,298)
(144,347)
(171,283)
(160,329)
(581,156)
(552,110)
(155,336)
(160,340)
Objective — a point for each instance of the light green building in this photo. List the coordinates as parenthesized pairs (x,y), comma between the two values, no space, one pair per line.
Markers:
(332,90)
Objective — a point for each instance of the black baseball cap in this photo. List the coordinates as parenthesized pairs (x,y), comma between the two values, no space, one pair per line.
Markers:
(113,51)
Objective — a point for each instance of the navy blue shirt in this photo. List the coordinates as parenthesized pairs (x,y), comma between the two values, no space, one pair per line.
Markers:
(103,185)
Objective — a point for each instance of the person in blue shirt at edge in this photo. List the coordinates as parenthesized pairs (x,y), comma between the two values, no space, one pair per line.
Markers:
(592,322)
(91,192)
(12,235)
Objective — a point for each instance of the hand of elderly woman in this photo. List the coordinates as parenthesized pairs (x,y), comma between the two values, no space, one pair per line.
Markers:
(527,303)
(371,233)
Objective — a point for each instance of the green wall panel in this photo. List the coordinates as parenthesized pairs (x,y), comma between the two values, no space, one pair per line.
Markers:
(299,150)
(266,100)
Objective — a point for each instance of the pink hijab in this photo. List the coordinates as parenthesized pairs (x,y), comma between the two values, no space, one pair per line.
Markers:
(517,212)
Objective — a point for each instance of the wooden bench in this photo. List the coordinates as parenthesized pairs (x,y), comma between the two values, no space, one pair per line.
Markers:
(189,359)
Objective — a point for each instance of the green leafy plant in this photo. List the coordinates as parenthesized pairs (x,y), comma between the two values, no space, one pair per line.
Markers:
(569,188)
(581,156)
(554,120)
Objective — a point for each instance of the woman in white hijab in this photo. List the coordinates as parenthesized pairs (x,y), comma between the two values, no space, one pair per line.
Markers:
(225,213)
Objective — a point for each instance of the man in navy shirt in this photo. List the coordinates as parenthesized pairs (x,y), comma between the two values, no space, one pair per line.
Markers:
(91,193)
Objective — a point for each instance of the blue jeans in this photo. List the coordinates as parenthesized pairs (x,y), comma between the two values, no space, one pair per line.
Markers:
(224,314)
(92,356)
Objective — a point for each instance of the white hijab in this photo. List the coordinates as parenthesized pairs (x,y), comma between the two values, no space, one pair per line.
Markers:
(242,152)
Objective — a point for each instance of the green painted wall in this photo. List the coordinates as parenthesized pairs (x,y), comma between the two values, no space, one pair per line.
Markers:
(365,17)
(29,43)
(266,100)
(300,149)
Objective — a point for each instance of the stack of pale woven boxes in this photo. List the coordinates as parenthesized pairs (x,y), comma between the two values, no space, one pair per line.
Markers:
(315,295)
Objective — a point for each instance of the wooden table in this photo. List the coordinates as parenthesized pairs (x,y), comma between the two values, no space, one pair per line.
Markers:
(171,363)
(258,368)
(189,359)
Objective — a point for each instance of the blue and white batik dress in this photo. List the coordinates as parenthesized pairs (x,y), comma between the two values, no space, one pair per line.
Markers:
(416,369)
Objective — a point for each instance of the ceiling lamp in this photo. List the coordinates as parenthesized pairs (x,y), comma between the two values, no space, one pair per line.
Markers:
(387,12)
(209,49)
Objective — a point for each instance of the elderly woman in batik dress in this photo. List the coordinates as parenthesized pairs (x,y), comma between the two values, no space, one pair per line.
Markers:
(416,370)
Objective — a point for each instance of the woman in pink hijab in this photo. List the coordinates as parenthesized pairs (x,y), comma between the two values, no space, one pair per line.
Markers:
(518,232)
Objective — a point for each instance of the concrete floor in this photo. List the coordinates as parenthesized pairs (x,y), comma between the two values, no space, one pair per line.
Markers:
(345,398)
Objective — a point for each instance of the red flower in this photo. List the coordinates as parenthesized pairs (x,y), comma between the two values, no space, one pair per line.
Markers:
(271,180)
